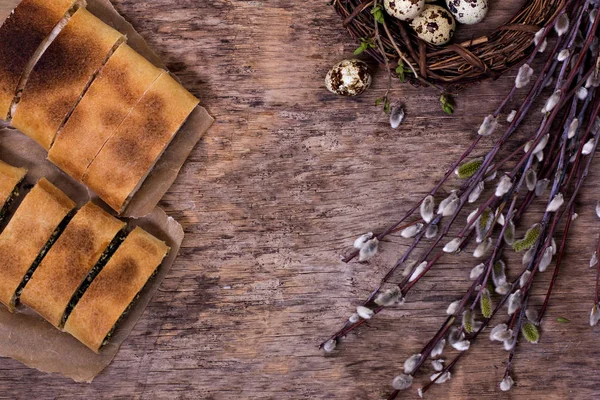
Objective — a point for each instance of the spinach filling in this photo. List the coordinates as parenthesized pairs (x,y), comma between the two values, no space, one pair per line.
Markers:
(53,238)
(100,264)
(13,195)
(112,330)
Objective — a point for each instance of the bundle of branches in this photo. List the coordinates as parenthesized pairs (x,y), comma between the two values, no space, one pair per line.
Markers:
(550,166)
(458,64)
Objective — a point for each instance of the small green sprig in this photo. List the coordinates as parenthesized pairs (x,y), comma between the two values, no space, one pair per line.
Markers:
(386,104)
(378,14)
(531,236)
(447,103)
(402,70)
(365,44)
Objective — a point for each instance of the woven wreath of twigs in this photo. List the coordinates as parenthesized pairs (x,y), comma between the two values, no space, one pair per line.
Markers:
(457,65)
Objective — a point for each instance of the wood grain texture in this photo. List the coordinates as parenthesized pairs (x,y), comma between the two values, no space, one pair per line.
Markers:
(282,183)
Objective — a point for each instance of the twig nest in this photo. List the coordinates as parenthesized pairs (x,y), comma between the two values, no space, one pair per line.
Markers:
(348,78)
(435,25)
(404,10)
(468,12)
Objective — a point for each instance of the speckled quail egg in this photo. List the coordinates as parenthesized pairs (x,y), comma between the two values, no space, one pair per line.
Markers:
(435,25)
(468,12)
(348,78)
(404,10)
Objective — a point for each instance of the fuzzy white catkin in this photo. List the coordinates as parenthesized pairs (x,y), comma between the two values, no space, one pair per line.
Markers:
(438,349)
(527,257)
(411,231)
(432,231)
(582,93)
(508,344)
(511,116)
(594,260)
(530,179)
(396,116)
(573,128)
(524,278)
(364,312)
(514,302)
(506,384)
(532,315)
(474,195)
(546,259)
(329,346)
(538,36)
(452,245)
(540,156)
(500,333)
(563,55)
(476,271)
(503,289)
(446,202)
(402,382)
(354,318)
(368,250)
(501,218)
(411,363)
(503,186)
(453,307)
(437,365)
(360,242)
(598,209)
(556,203)
(541,186)
(427,207)
(441,377)
(593,14)
(588,147)
(594,315)
(482,248)
(562,24)
(471,216)
(418,271)
(543,46)
(488,126)
(451,208)
(541,144)
(462,345)
(552,101)
(523,78)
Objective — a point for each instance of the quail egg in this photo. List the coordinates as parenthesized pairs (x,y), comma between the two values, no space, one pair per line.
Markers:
(435,25)
(404,10)
(348,78)
(468,12)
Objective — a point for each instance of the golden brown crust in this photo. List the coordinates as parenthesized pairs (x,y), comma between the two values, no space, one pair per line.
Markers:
(20,36)
(129,155)
(119,86)
(61,75)
(69,261)
(32,225)
(109,295)
(10,177)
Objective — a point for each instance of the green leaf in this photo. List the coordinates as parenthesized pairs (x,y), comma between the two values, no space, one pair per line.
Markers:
(447,104)
(379,101)
(364,45)
(562,320)
(469,168)
(378,14)
(386,106)
(400,71)
(530,332)
(531,236)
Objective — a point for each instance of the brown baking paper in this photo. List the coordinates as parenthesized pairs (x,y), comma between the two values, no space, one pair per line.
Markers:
(25,336)
(167,168)
(28,338)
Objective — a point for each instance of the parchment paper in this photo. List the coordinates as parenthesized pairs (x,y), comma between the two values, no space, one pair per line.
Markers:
(25,336)
(167,168)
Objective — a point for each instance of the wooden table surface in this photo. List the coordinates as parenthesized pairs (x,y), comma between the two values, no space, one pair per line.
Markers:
(279,187)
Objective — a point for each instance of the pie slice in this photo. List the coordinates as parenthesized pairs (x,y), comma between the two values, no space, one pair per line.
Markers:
(10,178)
(129,155)
(71,262)
(111,293)
(21,35)
(62,74)
(113,94)
(31,231)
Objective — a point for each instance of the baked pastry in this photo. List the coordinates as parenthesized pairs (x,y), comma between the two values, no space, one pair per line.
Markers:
(113,94)
(21,35)
(62,74)
(129,155)
(110,294)
(72,262)
(31,231)
(10,178)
